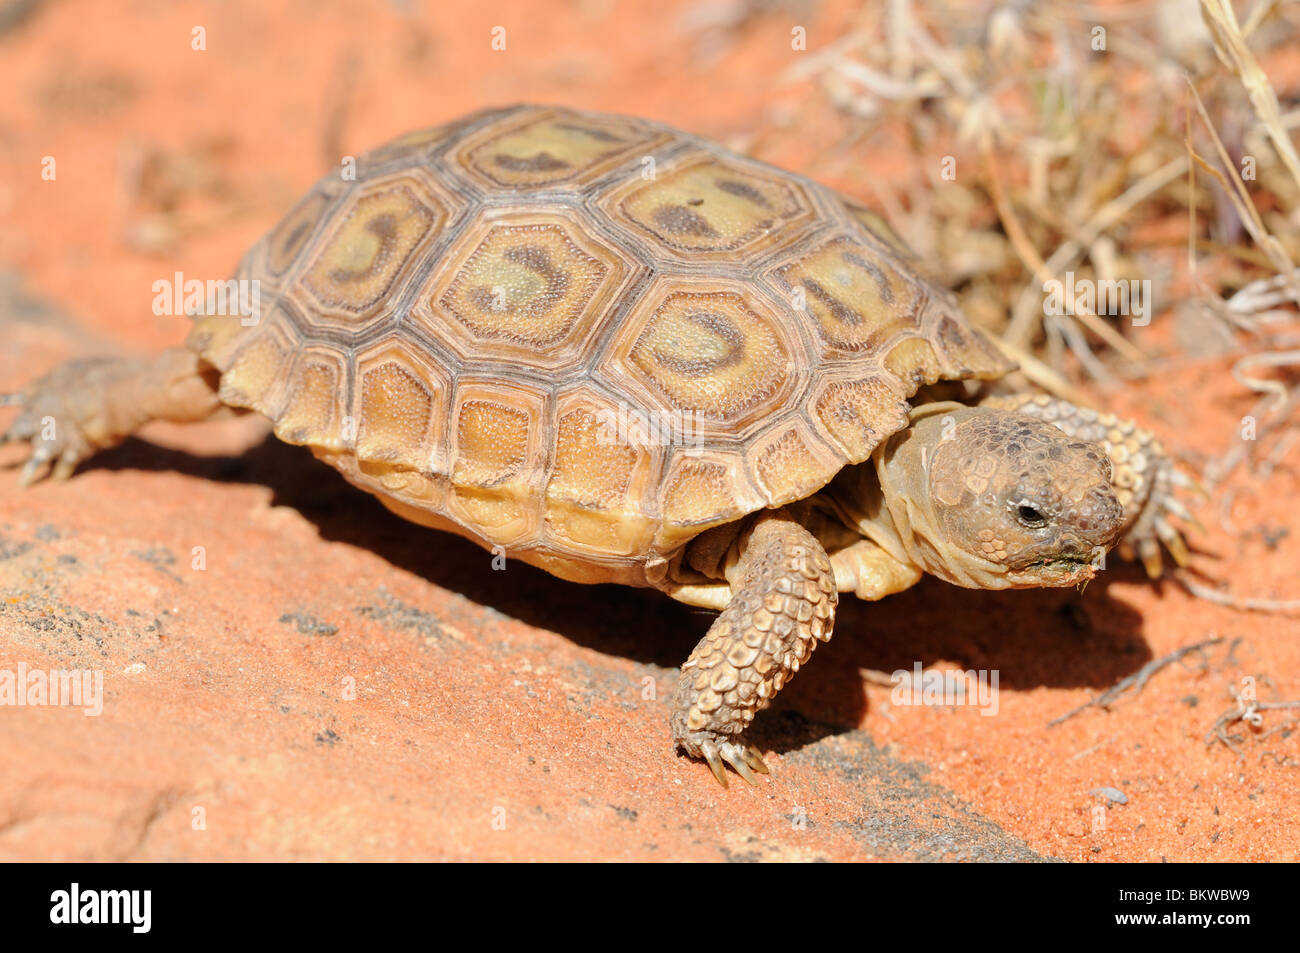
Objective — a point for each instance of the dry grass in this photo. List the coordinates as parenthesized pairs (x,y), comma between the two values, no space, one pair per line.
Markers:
(1089,159)
(1166,156)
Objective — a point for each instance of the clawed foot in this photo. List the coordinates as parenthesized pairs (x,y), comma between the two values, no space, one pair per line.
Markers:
(1154,526)
(61,416)
(716,749)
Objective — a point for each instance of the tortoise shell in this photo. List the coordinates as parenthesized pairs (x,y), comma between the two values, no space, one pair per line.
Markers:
(584,338)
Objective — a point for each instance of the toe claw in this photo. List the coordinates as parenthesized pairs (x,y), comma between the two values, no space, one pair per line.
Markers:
(35,467)
(735,756)
(755,760)
(1149,551)
(719,772)
(742,769)
(65,465)
(1173,541)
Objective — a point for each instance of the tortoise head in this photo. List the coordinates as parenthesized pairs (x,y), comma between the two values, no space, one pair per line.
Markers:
(990,499)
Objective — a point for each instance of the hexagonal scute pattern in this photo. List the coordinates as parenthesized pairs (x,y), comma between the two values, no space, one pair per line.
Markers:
(856,413)
(257,362)
(370,248)
(550,147)
(708,205)
(291,236)
(531,289)
(856,298)
(504,329)
(313,400)
(788,463)
(702,489)
(707,356)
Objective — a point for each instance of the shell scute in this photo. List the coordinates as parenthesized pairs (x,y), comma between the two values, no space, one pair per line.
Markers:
(586,338)
(708,207)
(496,457)
(531,288)
(549,148)
(857,300)
(370,249)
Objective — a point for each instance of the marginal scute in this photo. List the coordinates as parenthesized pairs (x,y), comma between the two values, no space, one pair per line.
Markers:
(494,460)
(559,147)
(913,361)
(857,299)
(968,353)
(788,465)
(491,443)
(310,414)
(396,411)
(256,371)
(594,496)
(362,261)
(703,492)
(857,415)
(216,337)
(711,206)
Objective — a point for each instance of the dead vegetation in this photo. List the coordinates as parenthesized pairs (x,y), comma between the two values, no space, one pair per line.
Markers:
(1093,146)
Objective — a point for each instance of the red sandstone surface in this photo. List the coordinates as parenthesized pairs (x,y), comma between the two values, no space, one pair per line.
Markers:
(338,684)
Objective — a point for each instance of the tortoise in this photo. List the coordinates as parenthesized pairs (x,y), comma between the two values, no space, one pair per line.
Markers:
(622,353)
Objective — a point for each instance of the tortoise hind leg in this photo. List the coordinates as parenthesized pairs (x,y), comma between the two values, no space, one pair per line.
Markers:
(88,405)
(783,604)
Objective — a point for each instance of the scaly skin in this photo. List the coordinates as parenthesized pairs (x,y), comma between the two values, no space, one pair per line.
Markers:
(1144,476)
(783,605)
(89,405)
(784,586)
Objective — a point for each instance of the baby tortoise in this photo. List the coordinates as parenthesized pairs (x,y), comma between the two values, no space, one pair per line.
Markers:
(625,354)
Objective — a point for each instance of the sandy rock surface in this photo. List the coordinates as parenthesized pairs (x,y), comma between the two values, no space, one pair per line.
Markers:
(333,683)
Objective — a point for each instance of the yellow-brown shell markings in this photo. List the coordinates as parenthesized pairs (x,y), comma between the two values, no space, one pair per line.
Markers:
(497,457)
(288,239)
(469,329)
(556,147)
(857,299)
(710,208)
(363,259)
(530,289)
(595,497)
(401,401)
(880,230)
(711,355)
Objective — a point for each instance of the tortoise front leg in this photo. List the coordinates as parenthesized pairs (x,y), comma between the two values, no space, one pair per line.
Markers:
(783,603)
(1143,474)
(95,403)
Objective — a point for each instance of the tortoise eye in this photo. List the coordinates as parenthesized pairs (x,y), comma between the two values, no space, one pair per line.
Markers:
(1030,516)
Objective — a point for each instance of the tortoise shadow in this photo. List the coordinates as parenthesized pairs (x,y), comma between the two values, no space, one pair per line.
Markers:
(1033,638)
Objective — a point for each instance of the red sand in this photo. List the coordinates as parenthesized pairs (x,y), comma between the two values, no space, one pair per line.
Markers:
(509,715)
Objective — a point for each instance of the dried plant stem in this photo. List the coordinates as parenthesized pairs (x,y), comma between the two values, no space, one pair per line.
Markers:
(1041,273)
